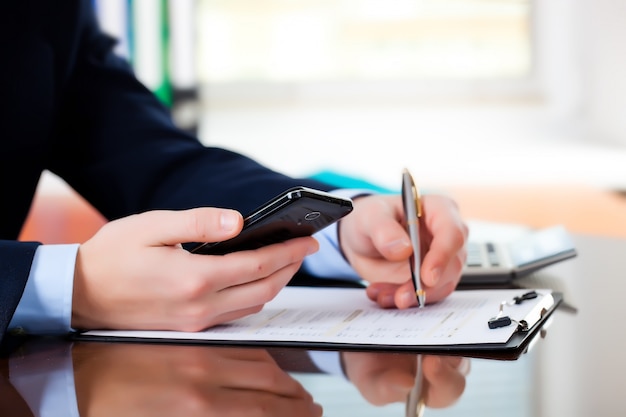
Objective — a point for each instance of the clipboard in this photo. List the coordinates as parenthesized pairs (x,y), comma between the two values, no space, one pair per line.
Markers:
(345,319)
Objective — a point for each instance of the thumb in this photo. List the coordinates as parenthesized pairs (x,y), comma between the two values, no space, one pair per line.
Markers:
(206,224)
(391,239)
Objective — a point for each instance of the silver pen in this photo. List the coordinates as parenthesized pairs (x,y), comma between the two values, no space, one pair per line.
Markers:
(412,213)
(416,401)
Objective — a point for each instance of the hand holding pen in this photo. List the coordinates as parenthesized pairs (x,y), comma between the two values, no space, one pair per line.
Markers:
(375,242)
(413,214)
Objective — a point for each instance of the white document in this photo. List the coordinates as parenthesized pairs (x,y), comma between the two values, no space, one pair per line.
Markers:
(347,316)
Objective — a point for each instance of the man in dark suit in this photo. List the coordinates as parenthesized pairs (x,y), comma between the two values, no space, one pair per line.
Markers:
(69,105)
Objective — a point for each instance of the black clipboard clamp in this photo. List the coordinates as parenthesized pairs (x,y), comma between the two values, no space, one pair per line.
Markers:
(502,320)
(528,328)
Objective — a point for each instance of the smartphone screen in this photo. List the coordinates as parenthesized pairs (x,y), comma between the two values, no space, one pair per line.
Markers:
(295,213)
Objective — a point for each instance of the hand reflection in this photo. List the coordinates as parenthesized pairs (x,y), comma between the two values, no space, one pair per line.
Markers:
(384,378)
(129,379)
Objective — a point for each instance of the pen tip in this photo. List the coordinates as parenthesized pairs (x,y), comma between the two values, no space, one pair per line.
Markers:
(421,298)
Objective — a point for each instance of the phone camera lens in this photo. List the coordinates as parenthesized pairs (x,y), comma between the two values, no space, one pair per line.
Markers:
(312,215)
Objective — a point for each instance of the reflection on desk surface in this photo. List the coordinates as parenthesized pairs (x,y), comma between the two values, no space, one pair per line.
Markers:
(120,379)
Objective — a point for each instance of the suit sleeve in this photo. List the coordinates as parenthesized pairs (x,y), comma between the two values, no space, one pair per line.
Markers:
(118,147)
(15,263)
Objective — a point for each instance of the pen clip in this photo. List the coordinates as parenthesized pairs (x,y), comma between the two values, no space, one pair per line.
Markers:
(410,190)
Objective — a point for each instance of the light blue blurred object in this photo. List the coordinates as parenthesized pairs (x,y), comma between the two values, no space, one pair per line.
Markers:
(347,181)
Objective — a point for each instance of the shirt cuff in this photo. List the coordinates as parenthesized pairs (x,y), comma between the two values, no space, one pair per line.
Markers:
(327,361)
(49,393)
(46,304)
(329,261)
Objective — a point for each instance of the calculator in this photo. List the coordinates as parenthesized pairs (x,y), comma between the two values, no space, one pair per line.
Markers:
(500,261)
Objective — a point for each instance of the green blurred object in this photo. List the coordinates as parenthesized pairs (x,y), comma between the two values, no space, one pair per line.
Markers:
(164,90)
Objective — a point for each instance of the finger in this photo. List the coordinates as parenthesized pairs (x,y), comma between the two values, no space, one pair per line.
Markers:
(169,227)
(388,234)
(445,382)
(448,234)
(233,315)
(374,289)
(265,377)
(215,288)
(262,374)
(238,268)
(444,260)
(405,296)
(388,386)
(257,292)
(383,293)
(390,295)
(236,403)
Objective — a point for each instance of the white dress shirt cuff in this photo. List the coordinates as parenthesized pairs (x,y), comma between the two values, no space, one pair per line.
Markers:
(46,305)
(329,261)
(51,393)
(327,361)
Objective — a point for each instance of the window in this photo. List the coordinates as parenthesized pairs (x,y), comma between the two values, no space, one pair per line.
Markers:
(304,41)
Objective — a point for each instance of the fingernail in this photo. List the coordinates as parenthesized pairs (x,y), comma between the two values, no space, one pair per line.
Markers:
(464,367)
(312,249)
(317,410)
(399,390)
(398,245)
(228,220)
(435,275)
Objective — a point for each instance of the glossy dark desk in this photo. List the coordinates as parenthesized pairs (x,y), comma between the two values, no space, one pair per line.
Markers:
(576,367)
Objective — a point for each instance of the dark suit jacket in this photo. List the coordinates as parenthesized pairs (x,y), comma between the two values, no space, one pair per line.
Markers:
(69,105)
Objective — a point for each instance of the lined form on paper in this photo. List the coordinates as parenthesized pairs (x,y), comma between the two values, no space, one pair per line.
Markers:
(346,316)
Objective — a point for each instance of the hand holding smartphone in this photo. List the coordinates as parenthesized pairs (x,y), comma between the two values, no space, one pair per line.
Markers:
(297,212)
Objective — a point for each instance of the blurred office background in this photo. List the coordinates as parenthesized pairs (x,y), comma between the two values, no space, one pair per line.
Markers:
(521,103)
(460,91)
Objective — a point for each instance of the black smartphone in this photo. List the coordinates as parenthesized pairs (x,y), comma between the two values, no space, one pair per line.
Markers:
(297,212)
